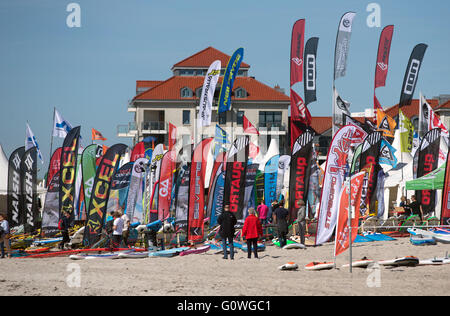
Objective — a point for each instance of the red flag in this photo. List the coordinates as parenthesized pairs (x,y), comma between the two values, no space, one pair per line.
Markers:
(172,135)
(96,135)
(342,230)
(249,128)
(55,164)
(168,165)
(299,111)
(297,45)
(138,151)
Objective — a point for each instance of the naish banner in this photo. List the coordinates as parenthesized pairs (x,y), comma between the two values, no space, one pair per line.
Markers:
(28,180)
(300,172)
(168,166)
(228,80)
(196,213)
(14,199)
(88,169)
(270,180)
(134,200)
(50,213)
(427,162)
(310,69)
(236,168)
(297,44)
(206,98)
(385,123)
(343,44)
(96,212)
(55,165)
(336,167)
(412,74)
(69,155)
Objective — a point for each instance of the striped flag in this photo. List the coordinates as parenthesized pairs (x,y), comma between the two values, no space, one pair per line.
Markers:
(31,142)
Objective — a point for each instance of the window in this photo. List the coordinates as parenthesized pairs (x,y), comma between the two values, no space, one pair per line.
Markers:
(240,117)
(186,117)
(270,119)
(186,92)
(198,92)
(223,118)
(240,93)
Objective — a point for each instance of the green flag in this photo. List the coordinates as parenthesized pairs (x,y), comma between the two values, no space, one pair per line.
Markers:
(406,133)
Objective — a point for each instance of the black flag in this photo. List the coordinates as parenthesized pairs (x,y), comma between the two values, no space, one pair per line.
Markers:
(310,70)
(29,175)
(14,199)
(412,74)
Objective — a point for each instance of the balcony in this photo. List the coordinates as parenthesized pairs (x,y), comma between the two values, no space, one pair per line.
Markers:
(154,127)
(272,128)
(127,130)
(131,107)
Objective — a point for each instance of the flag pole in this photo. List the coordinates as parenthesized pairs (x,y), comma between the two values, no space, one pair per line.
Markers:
(350,219)
(51,145)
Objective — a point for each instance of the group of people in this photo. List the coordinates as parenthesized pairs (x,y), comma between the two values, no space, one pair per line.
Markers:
(252,229)
(117,228)
(411,207)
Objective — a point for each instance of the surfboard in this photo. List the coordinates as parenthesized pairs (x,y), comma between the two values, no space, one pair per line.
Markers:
(420,240)
(261,247)
(288,266)
(319,266)
(37,250)
(295,246)
(434,261)
(363,263)
(443,238)
(168,253)
(95,256)
(133,255)
(195,250)
(408,261)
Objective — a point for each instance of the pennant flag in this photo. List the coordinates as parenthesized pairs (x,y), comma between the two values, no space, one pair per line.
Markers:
(342,231)
(96,135)
(297,41)
(228,80)
(30,142)
(386,124)
(60,125)
(249,128)
(406,133)
(299,111)
(310,70)
(343,44)
(387,154)
(206,98)
(412,74)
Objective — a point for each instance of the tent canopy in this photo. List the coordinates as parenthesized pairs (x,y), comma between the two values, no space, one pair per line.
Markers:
(432,181)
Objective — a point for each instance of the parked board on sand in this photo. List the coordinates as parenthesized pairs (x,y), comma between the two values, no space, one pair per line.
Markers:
(316,266)
(288,266)
(408,261)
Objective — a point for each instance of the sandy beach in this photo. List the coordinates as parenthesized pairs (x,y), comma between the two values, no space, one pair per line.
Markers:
(209,274)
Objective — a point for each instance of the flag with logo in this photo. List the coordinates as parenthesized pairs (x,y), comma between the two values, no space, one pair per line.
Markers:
(310,69)
(297,41)
(386,124)
(96,135)
(60,125)
(387,154)
(299,111)
(343,44)
(248,127)
(220,139)
(412,74)
(206,98)
(406,133)
(341,107)
(228,80)
(172,135)
(31,142)
(433,120)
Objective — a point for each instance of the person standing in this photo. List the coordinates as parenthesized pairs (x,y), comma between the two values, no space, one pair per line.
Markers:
(4,236)
(252,230)
(301,221)
(117,230)
(262,210)
(280,215)
(126,227)
(415,207)
(227,220)
(64,225)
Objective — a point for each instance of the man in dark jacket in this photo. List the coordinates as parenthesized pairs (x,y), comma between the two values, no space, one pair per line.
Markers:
(227,220)
(280,216)
(64,227)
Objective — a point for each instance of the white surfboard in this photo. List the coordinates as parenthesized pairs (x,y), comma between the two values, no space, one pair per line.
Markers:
(363,263)
(288,266)
(319,266)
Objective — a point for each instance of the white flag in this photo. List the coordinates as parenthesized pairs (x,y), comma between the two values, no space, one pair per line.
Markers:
(60,126)
(206,99)
(31,142)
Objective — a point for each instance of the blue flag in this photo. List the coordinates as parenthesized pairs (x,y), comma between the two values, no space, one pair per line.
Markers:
(220,140)
(228,80)
(387,154)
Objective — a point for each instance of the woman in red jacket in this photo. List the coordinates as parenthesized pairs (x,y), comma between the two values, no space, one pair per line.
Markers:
(252,230)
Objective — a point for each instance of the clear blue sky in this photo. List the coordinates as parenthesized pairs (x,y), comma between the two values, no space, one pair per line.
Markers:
(89,73)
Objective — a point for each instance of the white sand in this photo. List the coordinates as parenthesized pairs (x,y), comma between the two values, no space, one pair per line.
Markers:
(209,274)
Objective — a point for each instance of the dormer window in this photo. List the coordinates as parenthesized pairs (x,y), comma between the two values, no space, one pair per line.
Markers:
(240,93)
(198,92)
(186,92)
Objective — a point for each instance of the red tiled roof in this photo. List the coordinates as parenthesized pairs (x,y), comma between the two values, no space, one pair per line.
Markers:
(147,83)
(205,58)
(321,124)
(445,105)
(410,110)
(171,89)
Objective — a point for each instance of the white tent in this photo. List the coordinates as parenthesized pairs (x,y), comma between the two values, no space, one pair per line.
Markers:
(273,150)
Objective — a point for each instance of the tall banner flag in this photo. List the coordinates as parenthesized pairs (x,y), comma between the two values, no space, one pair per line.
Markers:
(184,160)
(228,80)
(88,169)
(340,109)
(134,199)
(120,184)
(96,212)
(386,124)
(445,207)
(236,168)
(300,172)
(206,98)
(50,213)
(342,241)
(30,142)
(343,44)
(270,180)
(138,151)
(96,135)
(382,65)
(249,187)
(196,213)
(55,165)
(69,155)
(168,166)
(432,120)
(412,74)
(314,185)
(345,138)
(370,155)
(310,69)
(220,140)
(428,161)
(217,200)
(151,211)
(28,180)
(406,133)
(283,167)
(14,199)
(299,111)
(60,125)
(297,44)
(172,136)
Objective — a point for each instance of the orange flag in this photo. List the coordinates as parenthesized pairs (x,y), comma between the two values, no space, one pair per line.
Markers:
(342,230)
(96,135)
